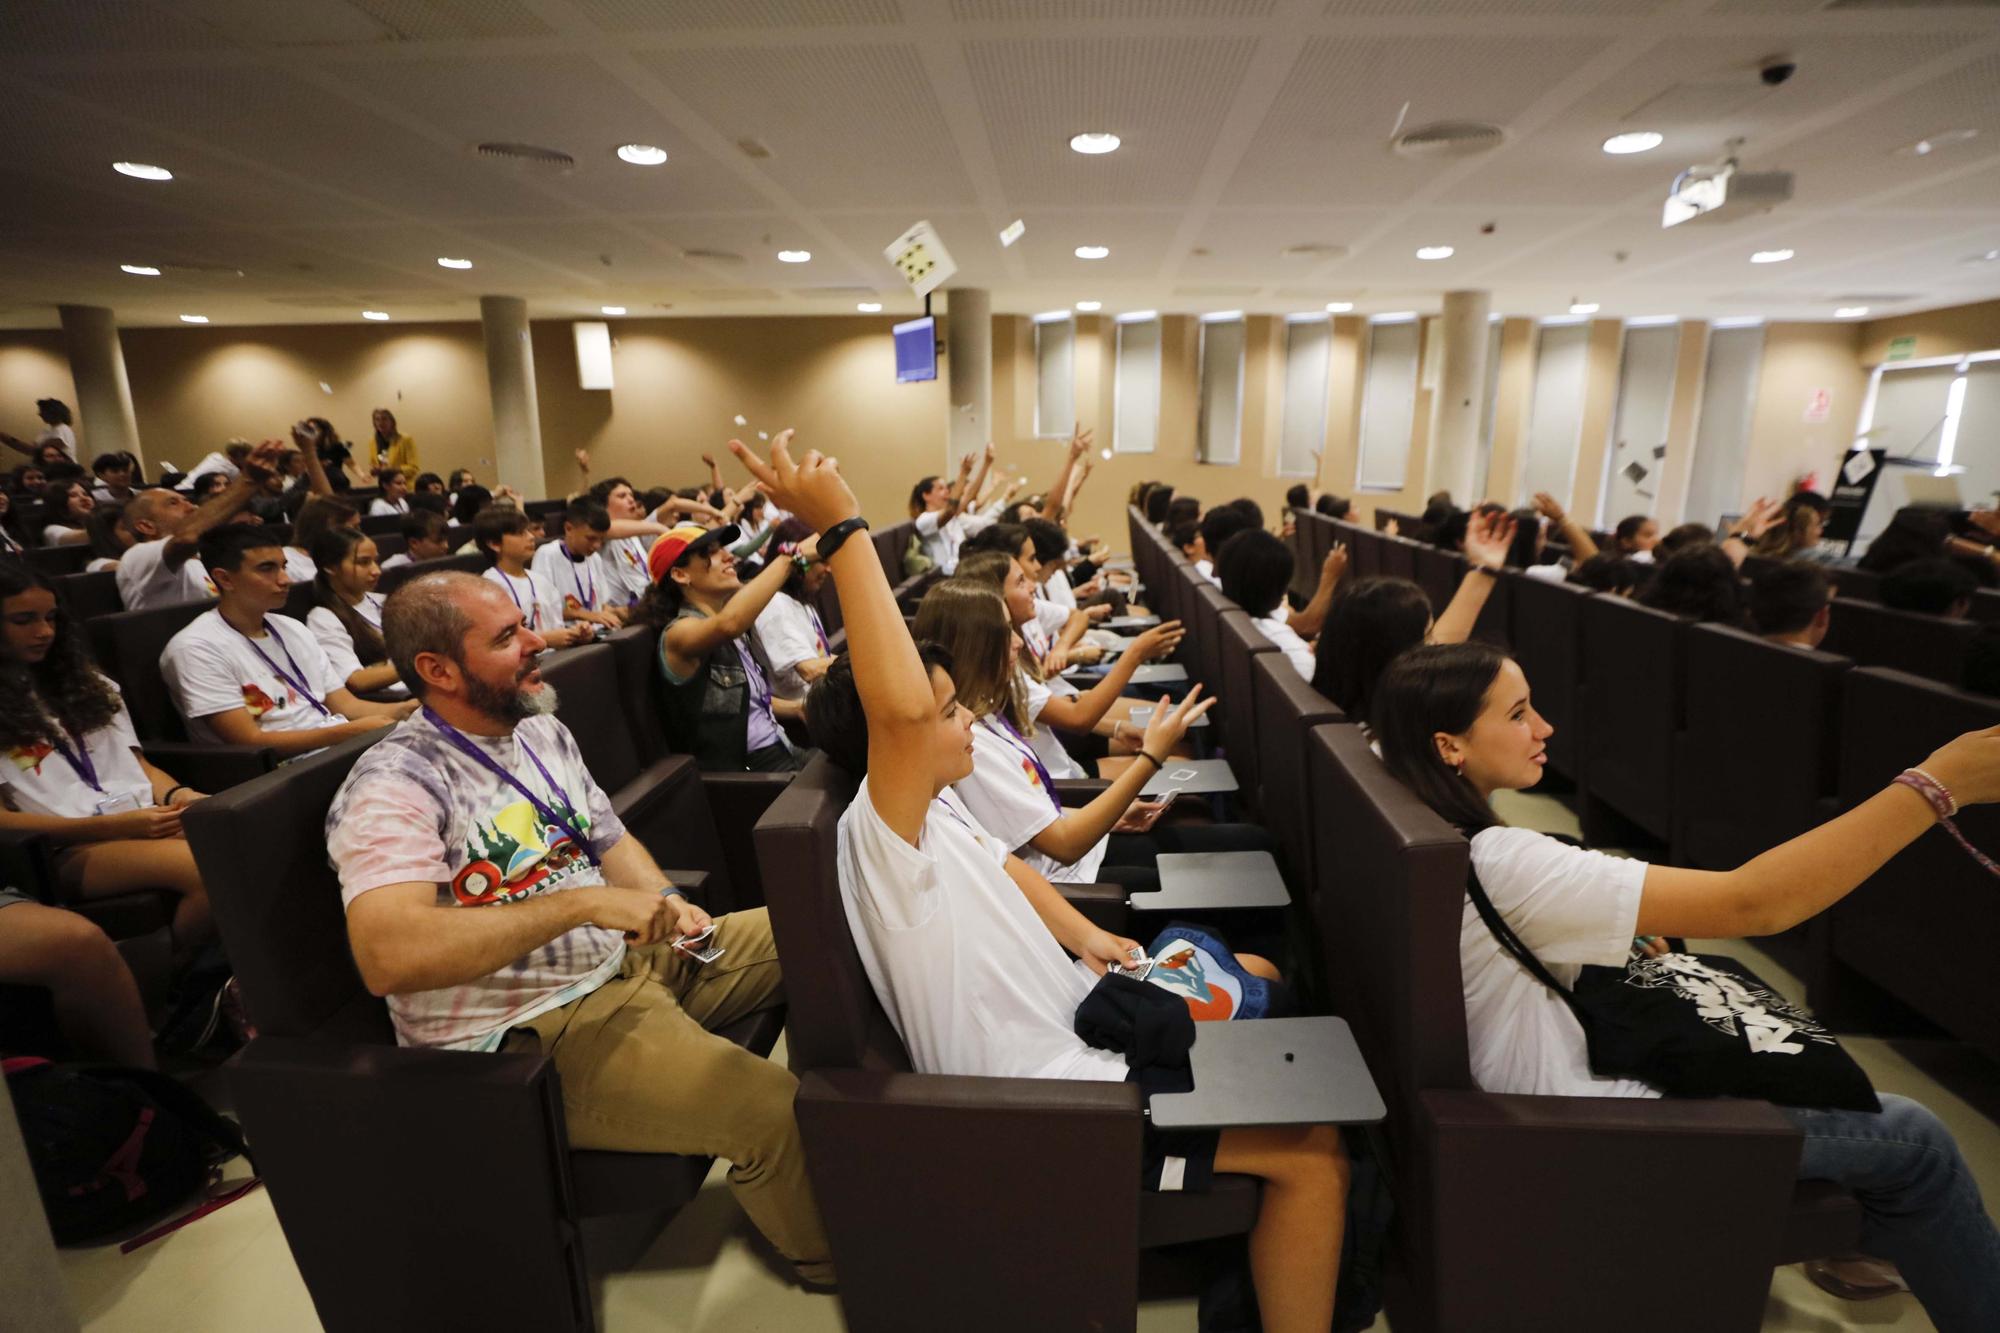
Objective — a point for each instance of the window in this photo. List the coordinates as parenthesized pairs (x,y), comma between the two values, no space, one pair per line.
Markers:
(1555,418)
(1308,349)
(1055,378)
(1722,429)
(1388,406)
(1135,422)
(1637,456)
(1219,433)
(1483,460)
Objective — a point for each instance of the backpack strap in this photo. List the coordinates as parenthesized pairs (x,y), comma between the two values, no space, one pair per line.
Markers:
(1511,942)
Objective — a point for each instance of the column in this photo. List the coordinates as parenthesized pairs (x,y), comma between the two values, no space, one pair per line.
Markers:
(107,424)
(968,359)
(510,376)
(1461,397)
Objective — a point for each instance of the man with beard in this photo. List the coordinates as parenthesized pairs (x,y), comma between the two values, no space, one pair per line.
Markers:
(579,946)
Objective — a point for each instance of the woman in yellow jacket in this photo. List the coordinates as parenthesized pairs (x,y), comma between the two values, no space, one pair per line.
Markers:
(392,448)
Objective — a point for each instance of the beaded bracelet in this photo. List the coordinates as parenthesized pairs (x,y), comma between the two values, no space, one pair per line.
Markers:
(1944,805)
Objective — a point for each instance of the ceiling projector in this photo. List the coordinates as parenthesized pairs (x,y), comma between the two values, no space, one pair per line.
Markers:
(1723,193)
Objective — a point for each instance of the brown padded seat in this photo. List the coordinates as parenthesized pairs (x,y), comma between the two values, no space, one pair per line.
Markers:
(1911,641)
(396,576)
(911,1239)
(86,595)
(1632,667)
(1546,621)
(1241,644)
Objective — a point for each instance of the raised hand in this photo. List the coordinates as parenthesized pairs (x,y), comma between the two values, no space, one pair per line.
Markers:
(1169,724)
(811,488)
(1986,520)
(1159,641)
(583,461)
(1487,539)
(1546,505)
(264,459)
(1335,565)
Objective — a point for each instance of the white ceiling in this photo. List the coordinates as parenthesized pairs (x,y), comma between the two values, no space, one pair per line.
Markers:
(324,148)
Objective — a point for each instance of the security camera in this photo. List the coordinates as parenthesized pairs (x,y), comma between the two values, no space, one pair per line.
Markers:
(1775,72)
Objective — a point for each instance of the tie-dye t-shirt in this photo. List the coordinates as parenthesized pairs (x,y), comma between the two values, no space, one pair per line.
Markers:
(416,808)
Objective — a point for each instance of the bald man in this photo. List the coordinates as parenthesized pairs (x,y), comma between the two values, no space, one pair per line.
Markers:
(164,527)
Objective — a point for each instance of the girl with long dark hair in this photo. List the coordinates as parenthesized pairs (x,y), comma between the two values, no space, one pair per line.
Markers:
(346,617)
(73,771)
(1456,723)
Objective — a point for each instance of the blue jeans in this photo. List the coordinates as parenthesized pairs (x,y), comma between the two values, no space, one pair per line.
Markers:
(1920,1205)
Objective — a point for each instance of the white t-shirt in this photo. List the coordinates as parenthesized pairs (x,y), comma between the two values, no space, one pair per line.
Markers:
(1055,588)
(55,534)
(789,632)
(970,977)
(212,668)
(417,809)
(540,607)
(1047,744)
(582,581)
(216,461)
(40,781)
(940,539)
(145,580)
(1571,907)
(380,508)
(1206,568)
(338,644)
(1005,794)
(299,566)
(62,435)
(1038,635)
(1296,650)
(1547,573)
(625,575)
(400,558)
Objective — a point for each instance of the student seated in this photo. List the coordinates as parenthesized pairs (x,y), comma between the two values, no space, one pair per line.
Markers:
(346,616)
(941,511)
(74,771)
(115,473)
(318,515)
(1372,621)
(423,539)
(1699,581)
(573,570)
(1217,526)
(427,483)
(1635,537)
(241,674)
(1937,586)
(1792,602)
(64,515)
(964,943)
(1256,569)
(1456,724)
(789,632)
(508,538)
(225,462)
(718,704)
(95,996)
(1333,506)
(1609,572)
(395,497)
(1796,535)
(482,801)
(1681,538)
(160,567)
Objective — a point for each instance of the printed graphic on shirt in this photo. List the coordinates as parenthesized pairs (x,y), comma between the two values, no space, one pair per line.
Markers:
(1028,769)
(28,758)
(1211,995)
(259,703)
(514,854)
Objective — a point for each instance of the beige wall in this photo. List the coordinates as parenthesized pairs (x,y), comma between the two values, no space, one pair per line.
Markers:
(1964,328)
(34,365)
(1799,360)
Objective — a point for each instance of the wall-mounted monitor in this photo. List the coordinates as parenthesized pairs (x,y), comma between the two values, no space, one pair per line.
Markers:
(916,350)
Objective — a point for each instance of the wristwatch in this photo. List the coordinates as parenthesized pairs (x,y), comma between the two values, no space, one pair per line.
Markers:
(830,540)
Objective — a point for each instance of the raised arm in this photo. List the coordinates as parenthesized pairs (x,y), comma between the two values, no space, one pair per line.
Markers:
(1582,545)
(17,444)
(1077,831)
(692,638)
(306,437)
(1052,500)
(1797,880)
(1487,538)
(224,504)
(889,676)
(1306,621)
(1086,710)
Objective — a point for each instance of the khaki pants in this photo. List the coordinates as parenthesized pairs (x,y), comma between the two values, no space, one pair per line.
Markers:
(643,1072)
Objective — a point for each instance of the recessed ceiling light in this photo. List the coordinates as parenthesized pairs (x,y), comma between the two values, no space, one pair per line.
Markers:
(869,307)
(1088,306)
(642,154)
(1095,142)
(447,262)
(1929,144)
(1850,312)
(375,314)
(194,319)
(1635,141)
(794,256)
(1339,307)
(612,309)
(144,171)
(1435,252)
(1583,308)
(1092,251)
(1770,256)
(141,270)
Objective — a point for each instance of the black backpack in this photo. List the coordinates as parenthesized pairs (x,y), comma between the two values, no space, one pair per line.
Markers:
(112,1147)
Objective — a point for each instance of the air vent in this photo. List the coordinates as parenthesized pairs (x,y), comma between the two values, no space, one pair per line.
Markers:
(1450,138)
(526,155)
(1313,250)
(713,256)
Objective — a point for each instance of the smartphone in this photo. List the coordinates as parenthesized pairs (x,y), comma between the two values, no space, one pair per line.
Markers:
(1146,821)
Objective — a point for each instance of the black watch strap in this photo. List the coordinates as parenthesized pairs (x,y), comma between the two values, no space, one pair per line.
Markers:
(830,540)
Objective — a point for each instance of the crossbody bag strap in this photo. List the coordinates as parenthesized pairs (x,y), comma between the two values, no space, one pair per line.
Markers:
(1511,942)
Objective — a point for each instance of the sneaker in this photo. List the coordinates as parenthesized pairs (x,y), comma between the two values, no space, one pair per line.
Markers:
(1856,1277)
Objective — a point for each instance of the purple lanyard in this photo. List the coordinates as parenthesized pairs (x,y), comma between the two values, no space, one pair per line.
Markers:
(542,808)
(760,689)
(532,612)
(819,630)
(297,679)
(589,599)
(1041,769)
(78,759)
(946,806)
(1029,643)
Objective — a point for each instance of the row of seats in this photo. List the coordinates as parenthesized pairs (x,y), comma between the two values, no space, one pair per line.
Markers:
(1386,890)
